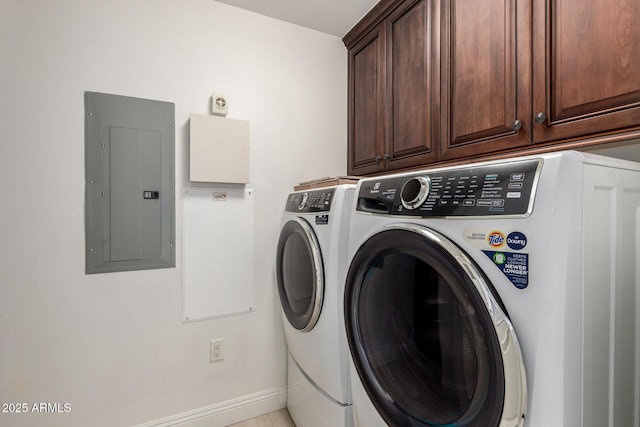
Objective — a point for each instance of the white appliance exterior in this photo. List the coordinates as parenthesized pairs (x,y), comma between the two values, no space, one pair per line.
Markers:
(578,320)
(318,392)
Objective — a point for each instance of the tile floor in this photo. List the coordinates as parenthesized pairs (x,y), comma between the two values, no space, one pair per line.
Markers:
(279,418)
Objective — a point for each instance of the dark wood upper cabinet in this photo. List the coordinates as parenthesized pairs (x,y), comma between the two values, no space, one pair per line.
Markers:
(487,76)
(367,64)
(394,89)
(586,67)
(436,81)
(413,91)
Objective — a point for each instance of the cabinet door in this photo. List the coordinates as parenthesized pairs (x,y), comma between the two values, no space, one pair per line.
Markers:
(413,85)
(486,76)
(586,67)
(367,67)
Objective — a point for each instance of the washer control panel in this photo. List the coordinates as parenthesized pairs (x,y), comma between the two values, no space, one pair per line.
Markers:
(310,201)
(491,189)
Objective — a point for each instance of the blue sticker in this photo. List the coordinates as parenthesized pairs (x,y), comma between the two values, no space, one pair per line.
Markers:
(515,266)
(516,240)
(322,219)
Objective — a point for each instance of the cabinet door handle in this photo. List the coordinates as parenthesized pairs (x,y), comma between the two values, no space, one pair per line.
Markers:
(387,156)
(541,117)
(378,159)
(516,126)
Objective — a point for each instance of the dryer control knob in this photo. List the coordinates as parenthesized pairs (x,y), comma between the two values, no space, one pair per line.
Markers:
(304,201)
(415,191)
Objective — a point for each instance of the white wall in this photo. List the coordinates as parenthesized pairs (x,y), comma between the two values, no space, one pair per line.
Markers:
(627,150)
(113,346)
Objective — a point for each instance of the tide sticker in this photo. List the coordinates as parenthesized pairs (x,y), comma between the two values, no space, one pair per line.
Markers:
(496,239)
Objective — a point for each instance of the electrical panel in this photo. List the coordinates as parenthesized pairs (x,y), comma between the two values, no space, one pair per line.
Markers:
(129,183)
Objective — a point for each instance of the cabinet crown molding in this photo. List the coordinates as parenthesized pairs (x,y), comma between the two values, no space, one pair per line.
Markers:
(374,17)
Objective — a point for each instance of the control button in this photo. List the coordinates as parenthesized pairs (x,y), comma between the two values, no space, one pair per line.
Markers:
(469,202)
(514,195)
(517,177)
(498,202)
(515,185)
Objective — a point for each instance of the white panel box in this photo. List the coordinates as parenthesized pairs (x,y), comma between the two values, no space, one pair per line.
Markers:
(217,252)
(219,149)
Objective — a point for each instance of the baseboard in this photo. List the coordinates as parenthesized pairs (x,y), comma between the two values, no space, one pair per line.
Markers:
(229,412)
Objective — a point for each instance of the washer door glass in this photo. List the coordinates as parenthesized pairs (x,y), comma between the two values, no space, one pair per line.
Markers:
(428,336)
(300,274)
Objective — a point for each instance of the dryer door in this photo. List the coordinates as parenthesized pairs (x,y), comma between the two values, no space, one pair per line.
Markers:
(300,274)
(429,337)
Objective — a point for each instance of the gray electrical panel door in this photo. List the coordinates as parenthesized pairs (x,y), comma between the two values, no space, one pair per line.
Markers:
(129,187)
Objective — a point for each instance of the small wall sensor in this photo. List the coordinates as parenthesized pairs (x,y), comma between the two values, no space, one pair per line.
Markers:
(219,104)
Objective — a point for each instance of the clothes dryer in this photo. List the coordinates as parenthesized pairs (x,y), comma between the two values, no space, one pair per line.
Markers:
(497,294)
(311,268)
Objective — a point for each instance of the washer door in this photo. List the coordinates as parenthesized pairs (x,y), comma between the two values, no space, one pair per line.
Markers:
(429,337)
(300,274)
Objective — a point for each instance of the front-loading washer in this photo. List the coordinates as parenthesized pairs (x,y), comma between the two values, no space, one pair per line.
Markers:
(311,266)
(502,293)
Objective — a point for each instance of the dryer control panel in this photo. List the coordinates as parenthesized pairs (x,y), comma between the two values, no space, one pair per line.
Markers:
(486,190)
(310,201)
